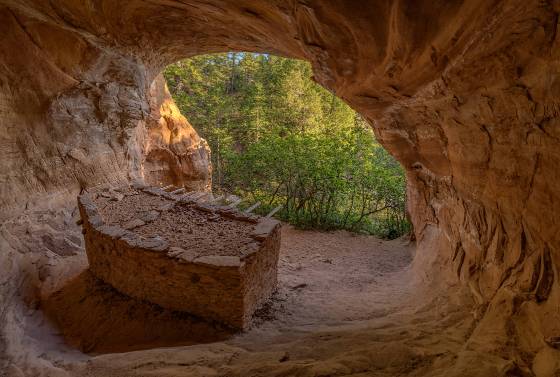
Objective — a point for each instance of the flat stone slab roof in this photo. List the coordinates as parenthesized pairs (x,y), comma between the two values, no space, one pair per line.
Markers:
(204,229)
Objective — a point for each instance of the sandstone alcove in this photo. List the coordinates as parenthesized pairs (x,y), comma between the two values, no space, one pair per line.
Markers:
(464,94)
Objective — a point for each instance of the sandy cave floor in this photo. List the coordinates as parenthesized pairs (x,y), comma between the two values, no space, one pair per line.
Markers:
(345,306)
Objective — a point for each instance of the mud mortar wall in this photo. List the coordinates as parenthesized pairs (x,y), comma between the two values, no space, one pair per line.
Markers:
(227,289)
(260,271)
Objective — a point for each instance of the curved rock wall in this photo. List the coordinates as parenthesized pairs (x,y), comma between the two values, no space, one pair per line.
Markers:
(76,113)
(463,93)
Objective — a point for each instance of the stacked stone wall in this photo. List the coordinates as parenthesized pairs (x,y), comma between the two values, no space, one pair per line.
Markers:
(227,289)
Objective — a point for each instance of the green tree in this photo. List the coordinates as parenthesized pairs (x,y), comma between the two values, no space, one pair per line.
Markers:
(279,138)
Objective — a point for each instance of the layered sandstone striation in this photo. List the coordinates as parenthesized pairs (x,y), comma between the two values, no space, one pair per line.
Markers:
(211,261)
(463,93)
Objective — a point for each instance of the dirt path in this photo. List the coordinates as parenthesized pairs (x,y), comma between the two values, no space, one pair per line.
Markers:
(331,278)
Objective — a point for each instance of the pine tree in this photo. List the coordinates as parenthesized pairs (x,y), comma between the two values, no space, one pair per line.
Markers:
(278,137)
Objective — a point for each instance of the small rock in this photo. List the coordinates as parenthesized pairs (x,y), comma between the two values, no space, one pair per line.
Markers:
(264,228)
(112,231)
(134,223)
(131,238)
(117,197)
(155,243)
(206,208)
(95,220)
(149,216)
(182,254)
(166,207)
(219,260)
(138,185)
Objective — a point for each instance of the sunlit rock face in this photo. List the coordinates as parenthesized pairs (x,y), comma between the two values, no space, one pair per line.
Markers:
(463,93)
(174,153)
(76,113)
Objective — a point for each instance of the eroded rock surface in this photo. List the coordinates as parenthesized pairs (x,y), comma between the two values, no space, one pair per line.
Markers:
(463,93)
(174,153)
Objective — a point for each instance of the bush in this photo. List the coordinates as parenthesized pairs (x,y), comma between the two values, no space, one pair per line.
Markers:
(340,180)
(278,138)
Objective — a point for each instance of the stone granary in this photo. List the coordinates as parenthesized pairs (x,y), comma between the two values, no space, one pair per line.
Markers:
(212,261)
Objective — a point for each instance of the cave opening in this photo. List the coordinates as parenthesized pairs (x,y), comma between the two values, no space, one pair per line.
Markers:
(278,140)
(463,94)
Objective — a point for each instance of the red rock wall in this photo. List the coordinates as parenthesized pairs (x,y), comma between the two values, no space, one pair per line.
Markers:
(463,93)
(76,113)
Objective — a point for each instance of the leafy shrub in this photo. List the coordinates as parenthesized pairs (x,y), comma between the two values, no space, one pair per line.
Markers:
(278,138)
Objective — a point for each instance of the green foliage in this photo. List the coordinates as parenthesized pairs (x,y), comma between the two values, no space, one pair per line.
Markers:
(279,138)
